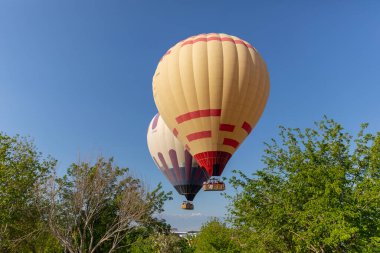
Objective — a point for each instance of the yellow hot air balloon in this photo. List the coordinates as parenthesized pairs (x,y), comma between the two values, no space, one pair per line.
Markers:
(211,90)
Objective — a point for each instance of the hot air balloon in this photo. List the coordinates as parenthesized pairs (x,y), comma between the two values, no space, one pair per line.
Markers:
(174,161)
(211,90)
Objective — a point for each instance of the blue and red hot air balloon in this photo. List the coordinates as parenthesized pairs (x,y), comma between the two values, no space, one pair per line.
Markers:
(174,161)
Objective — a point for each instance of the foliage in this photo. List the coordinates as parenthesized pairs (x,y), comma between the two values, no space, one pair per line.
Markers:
(216,237)
(161,243)
(21,168)
(319,192)
(94,207)
(33,201)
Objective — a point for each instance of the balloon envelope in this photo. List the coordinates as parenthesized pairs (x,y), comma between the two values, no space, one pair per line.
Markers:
(174,161)
(211,90)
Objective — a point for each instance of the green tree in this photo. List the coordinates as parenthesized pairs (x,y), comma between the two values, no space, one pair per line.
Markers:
(21,168)
(161,243)
(319,191)
(216,237)
(94,207)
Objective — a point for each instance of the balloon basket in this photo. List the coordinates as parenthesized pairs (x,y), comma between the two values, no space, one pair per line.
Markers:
(187,205)
(214,185)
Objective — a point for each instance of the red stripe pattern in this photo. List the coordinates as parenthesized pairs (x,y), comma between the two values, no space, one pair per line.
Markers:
(191,41)
(198,114)
(231,142)
(198,135)
(247,127)
(167,53)
(175,132)
(226,127)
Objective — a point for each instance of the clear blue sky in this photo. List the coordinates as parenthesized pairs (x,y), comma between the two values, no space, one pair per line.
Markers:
(76,75)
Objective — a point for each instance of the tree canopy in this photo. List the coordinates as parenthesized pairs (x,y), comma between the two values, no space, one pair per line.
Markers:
(216,237)
(319,191)
(22,167)
(94,207)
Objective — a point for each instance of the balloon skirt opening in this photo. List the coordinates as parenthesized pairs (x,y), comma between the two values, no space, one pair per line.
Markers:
(189,191)
(213,161)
